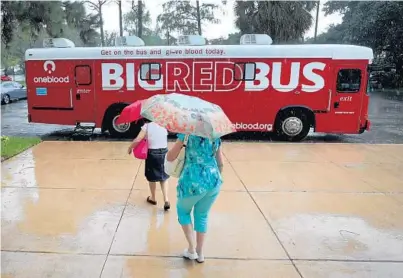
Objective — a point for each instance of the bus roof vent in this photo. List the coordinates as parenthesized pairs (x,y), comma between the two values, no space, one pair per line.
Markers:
(129,41)
(57,43)
(256,39)
(191,40)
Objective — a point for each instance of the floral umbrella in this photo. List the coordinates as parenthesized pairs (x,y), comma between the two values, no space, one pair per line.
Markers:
(186,114)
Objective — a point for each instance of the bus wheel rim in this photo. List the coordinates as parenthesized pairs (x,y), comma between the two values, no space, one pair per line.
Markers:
(292,126)
(122,128)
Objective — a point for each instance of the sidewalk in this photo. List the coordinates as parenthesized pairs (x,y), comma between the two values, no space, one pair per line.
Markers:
(77,209)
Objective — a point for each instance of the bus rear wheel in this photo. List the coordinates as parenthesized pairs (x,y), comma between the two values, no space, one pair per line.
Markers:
(293,125)
(127,130)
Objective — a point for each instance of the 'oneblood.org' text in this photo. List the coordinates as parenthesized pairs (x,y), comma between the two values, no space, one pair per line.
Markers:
(255,126)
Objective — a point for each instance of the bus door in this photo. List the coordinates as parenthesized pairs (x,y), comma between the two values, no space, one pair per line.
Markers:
(346,102)
(49,85)
(84,91)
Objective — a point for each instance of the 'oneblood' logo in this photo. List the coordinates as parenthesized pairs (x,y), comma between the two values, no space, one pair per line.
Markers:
(52,79)
(50,69)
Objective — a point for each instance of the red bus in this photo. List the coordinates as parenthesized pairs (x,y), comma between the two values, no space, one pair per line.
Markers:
(287,89)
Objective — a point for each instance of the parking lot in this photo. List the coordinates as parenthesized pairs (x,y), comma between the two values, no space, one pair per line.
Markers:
(314,209)
(78,209)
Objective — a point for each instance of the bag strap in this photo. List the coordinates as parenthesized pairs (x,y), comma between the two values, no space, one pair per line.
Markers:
(185,141)
(146,136)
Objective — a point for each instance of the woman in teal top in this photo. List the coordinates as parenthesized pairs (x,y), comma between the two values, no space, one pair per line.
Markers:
(198,187)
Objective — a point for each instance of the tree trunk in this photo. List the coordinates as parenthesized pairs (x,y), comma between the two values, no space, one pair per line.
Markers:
(317,19)
(140,18)
(198,17)
(101,21)
(120,18)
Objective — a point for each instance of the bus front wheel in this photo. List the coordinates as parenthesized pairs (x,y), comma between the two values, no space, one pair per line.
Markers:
(293,124)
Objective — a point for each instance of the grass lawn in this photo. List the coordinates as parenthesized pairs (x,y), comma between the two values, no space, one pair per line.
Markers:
(11,146)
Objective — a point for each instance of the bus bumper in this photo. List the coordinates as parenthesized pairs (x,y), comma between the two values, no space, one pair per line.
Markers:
(366,127)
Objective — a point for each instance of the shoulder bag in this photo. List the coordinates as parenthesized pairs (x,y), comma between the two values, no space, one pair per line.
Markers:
(174,168)
(141,150)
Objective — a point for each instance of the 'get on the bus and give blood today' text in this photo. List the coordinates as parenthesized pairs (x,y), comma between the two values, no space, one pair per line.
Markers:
(144,52)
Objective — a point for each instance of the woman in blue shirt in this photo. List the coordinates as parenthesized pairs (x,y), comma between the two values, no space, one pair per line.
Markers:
(198,187)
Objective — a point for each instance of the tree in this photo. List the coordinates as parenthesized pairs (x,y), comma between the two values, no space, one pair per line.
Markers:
(184,18)
(97,6)
(282,20)
(120,18)
(335,34)
(13,55)
(38,15)
(33,21)
(232,39)
(153,39)
(317,19)
(110,38)
(377,24)
(88,33)
(86,24)
(131,20)
(140,18)
(199,29)
(8,58)
(8,18)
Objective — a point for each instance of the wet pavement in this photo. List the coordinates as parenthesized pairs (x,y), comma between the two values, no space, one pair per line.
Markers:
(14,122)
(77,209)
(385,113)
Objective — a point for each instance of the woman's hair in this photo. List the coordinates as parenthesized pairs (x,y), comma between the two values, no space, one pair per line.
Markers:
(146,121)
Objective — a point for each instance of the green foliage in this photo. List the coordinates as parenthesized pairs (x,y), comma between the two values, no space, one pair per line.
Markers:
(130,20)
(232,39)
(110,38)
(377,24)
(181,17)
(86,24)
(8,58)
(154,39)
(98,6)
(334,35)
(23,39)
(38,15)
(26,23)
(342,7)
(282,20)
(11,146)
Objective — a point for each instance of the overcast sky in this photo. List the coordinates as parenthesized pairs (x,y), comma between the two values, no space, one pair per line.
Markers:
(210,31)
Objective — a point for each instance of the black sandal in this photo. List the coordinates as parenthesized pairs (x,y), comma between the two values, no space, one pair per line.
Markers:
(167,206)
(151,201)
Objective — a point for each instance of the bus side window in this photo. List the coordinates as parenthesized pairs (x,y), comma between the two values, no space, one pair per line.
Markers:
(348,81)
(83,75)
(150,71)
(244,71)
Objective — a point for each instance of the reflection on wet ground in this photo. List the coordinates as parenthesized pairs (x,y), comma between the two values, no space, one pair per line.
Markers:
(77,209)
